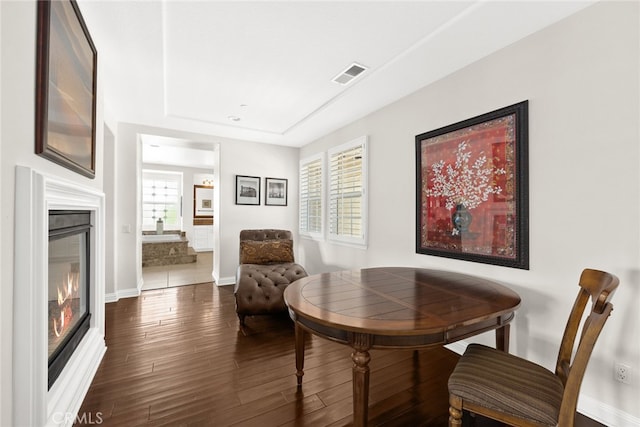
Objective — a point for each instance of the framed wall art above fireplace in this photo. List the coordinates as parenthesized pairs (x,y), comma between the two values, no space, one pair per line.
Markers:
(65,87)
(472,189)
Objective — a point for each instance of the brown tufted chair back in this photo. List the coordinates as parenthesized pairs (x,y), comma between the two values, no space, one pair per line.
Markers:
(266,268)
(266,234)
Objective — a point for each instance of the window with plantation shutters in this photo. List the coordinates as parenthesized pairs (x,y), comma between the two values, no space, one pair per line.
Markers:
(161,198)
(311,196)
(347,218)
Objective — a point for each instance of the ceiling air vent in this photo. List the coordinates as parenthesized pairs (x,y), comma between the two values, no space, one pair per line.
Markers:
(353,71)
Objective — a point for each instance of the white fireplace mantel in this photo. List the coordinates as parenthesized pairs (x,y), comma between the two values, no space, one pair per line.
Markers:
(33,404)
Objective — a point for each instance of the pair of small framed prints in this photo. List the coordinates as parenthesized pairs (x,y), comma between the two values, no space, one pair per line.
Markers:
(248,191)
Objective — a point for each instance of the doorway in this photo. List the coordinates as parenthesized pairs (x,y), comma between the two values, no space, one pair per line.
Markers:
(178,243)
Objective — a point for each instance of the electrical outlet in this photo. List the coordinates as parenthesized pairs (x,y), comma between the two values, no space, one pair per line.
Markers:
(622,373)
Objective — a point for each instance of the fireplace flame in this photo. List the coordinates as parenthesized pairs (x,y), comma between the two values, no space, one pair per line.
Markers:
(57,329)
(66,293)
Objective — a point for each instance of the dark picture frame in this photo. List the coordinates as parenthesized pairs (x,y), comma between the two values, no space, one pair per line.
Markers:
(276,190)
(472,189)
(65,87)
(247,190)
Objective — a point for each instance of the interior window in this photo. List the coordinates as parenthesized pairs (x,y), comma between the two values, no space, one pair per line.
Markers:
(161,198)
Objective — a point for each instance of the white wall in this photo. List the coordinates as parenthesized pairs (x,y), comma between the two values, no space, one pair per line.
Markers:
(581,77)
(127,278)
(252,159)
(17,147)
(110,214)
(5,356)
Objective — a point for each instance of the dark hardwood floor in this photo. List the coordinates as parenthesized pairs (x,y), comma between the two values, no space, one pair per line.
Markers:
(176,357)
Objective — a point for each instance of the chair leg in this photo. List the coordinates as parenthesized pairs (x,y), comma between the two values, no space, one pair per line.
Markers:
(455,411)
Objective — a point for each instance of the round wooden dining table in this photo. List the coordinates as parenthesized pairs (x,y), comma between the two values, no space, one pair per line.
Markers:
(395,307)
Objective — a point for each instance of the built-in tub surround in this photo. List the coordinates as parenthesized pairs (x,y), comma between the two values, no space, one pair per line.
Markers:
(33,403)
(169,248)
(153,238)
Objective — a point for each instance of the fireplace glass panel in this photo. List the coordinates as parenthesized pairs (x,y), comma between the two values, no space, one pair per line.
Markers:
(67,302)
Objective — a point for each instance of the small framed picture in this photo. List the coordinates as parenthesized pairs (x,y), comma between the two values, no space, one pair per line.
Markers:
(276,194)
(202,205)
(202,201)
(247,190)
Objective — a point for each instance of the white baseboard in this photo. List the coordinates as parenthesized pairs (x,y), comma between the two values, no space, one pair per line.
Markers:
(605,414)
(223,281)
(125,293)
(128,293)
(457,347)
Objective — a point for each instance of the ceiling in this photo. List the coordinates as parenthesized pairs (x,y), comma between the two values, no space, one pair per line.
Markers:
(262,71)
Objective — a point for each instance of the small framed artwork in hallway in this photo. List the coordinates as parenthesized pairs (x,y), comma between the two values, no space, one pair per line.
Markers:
(202,205)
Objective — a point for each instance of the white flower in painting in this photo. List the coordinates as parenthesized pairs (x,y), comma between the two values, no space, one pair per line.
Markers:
(463,183)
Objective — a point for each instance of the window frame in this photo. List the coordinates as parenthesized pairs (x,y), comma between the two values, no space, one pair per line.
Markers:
(314,235)
(360,242)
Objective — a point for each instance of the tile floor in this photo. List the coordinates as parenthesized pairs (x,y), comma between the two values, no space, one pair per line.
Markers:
(168,276)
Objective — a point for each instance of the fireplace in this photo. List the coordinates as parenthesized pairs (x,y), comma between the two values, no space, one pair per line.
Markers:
(69,286)
(58,289)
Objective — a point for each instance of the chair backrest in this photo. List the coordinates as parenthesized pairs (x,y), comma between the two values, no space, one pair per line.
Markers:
(265,234)
(598,287)
(266,246)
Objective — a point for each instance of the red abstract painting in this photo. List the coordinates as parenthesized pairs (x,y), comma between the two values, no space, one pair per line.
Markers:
(470,189)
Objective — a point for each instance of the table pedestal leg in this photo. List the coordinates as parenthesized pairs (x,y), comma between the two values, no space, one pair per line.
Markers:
(502,338)
(299,353)
(360,358)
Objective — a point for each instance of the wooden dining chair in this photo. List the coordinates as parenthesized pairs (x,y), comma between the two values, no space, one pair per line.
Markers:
(512,390)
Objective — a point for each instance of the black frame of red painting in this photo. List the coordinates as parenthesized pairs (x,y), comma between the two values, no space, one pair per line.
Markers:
(503,193)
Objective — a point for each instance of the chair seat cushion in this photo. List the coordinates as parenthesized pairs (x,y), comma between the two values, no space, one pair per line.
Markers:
(259,289)
(507,383)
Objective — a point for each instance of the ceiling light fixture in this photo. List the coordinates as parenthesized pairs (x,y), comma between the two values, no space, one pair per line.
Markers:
(350,73)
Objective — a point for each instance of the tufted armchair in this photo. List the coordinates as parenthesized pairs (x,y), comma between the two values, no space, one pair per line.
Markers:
(267,267)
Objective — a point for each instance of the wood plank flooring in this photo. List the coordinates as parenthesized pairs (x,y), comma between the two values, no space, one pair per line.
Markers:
(176,357)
